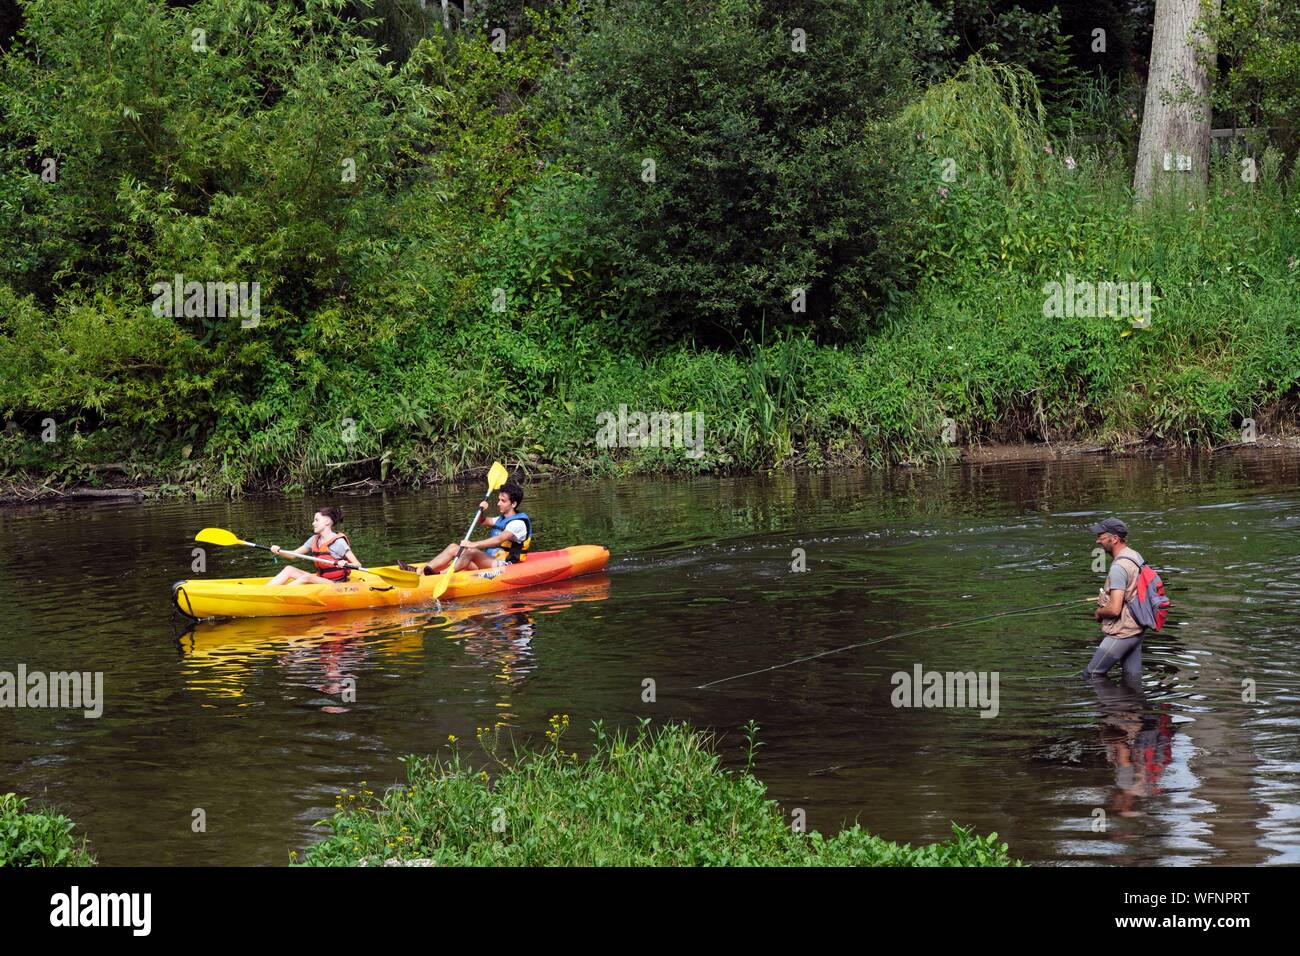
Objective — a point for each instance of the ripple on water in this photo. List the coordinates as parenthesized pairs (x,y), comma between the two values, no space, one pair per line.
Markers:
(263,723)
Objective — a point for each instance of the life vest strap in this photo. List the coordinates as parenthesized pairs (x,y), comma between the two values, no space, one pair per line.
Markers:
(335,574)
(515,551)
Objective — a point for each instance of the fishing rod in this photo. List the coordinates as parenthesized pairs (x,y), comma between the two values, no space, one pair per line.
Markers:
(891,637)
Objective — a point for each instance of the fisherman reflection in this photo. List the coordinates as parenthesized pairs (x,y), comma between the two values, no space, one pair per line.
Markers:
(1138,741)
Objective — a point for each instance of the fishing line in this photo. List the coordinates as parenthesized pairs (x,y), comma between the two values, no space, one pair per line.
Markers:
(891,637)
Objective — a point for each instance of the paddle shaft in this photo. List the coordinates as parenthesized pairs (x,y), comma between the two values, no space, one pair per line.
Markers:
(497,476)
(332,562)
(478,515)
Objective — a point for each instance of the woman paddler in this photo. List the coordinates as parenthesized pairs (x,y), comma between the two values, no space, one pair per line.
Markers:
(325,542)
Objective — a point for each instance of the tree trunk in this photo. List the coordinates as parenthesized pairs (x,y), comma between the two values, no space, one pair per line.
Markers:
(1175,146)
(446,18)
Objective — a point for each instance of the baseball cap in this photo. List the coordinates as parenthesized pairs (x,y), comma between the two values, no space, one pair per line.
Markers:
(1110,526)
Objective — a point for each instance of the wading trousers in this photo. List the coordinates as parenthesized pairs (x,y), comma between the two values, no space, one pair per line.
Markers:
(1114,650)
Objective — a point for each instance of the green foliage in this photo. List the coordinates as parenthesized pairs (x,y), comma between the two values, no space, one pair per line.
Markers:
(224,163)
(986,121)
(1259,44)
(30,838)
(1102,110)
(499,275)
(1220,273)
(949,31)
(396,26)
(233,169)
(654,798)
(772,169)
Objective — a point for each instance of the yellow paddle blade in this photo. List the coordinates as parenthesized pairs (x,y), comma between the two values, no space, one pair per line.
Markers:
(440,583)
(218,536)
(396,576)
(497,476)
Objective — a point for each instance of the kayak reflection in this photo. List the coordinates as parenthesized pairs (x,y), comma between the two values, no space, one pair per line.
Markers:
(223,659)
(500,634)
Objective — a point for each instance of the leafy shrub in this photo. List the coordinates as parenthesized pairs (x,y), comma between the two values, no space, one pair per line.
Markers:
(773,171)
(655,798)
(1258,44)
(29,838)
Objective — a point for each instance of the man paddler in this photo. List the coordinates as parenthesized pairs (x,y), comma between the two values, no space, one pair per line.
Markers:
(509,542)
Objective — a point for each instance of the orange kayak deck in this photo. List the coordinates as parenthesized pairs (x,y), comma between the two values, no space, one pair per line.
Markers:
(201,598)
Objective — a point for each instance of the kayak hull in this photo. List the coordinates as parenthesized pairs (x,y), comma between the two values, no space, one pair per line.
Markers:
(200,598)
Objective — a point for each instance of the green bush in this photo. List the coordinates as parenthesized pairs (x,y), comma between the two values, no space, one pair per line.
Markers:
(231,170)
(1258,45)
(774,170)
(654,798)
(29,838)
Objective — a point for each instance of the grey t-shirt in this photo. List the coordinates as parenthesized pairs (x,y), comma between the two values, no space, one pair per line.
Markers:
(1122,576)
(338,547)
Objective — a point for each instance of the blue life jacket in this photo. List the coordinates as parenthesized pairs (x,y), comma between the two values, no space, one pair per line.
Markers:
(515,550)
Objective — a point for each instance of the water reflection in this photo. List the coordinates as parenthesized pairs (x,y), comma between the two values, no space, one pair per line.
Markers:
(1138,741)
(498,635)
(328,652)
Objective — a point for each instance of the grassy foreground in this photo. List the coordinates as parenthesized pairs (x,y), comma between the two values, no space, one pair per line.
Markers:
(31,838)
(655,798)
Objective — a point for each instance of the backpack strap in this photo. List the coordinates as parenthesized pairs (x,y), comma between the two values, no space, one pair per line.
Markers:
(1134,583)
(1137,564)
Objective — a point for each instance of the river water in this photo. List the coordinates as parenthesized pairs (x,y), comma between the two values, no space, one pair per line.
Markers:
(247,721)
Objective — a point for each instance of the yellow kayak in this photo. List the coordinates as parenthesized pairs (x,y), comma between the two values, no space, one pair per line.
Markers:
(201,598)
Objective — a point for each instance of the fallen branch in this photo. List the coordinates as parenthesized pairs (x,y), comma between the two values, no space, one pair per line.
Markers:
(352,484)
(344,464)
(1235,444)
(102,493)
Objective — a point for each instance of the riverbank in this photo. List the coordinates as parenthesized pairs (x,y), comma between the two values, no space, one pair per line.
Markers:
(489,289)
(652,798)
(15,492)
(941,382)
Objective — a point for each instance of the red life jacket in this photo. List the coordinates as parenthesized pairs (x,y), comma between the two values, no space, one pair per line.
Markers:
(322,570)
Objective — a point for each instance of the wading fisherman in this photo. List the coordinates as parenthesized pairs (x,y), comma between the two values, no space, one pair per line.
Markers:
(1121,634)
(510,540)
(325,542)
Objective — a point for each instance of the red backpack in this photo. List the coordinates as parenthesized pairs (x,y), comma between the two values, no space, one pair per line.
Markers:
(1149,606)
